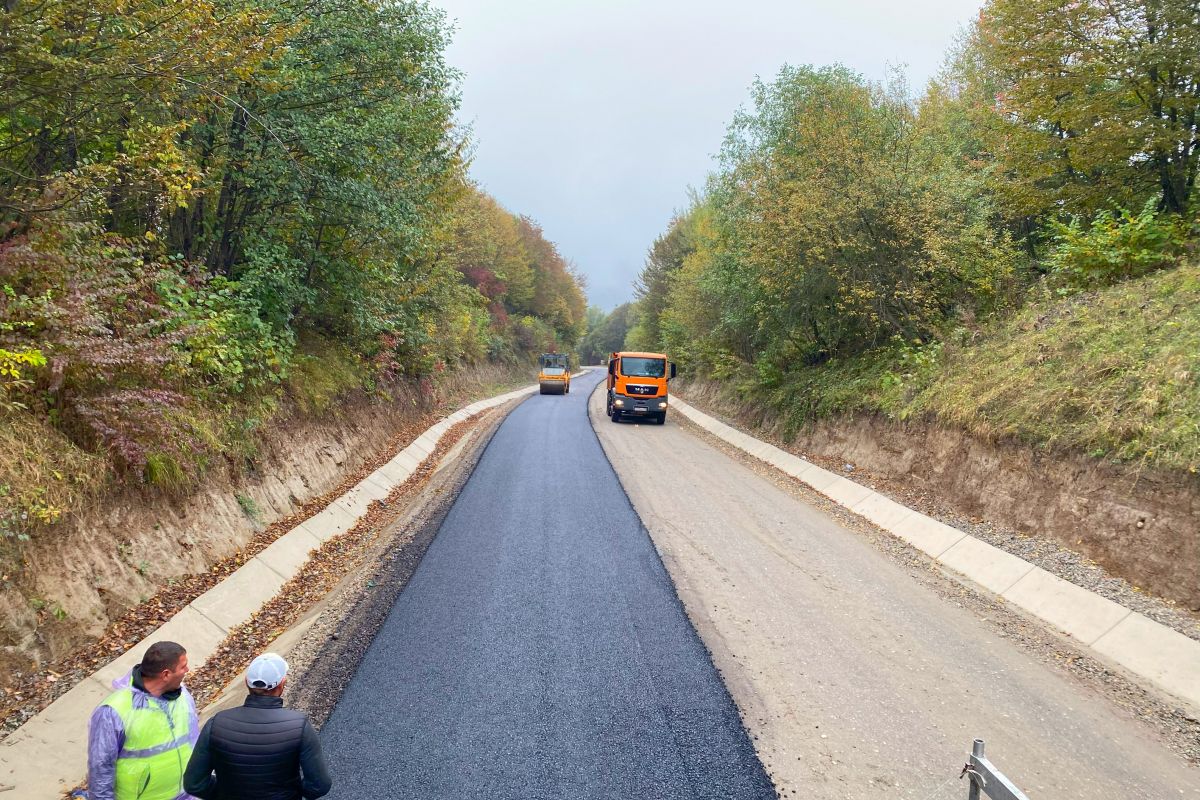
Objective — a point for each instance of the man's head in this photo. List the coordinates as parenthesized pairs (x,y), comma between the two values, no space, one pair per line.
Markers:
(267,675)
(163,667)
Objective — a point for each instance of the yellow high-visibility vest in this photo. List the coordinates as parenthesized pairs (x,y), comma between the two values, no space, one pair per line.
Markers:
(158,744)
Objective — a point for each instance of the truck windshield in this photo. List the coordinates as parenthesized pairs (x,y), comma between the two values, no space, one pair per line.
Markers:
(643,367)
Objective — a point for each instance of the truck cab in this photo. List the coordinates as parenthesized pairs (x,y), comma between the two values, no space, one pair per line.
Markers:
(637,386)
(554,373)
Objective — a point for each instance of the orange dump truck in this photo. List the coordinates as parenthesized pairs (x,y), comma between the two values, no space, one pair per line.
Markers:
(637,386)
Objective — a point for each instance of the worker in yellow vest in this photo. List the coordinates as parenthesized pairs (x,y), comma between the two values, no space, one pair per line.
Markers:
(141,737)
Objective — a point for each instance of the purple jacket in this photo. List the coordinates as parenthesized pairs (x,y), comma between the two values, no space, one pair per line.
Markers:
(106,735)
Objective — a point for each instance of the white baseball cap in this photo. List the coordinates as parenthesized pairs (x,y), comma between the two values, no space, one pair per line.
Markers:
(266,672)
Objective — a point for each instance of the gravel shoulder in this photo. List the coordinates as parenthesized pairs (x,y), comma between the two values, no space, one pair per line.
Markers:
(1038,550)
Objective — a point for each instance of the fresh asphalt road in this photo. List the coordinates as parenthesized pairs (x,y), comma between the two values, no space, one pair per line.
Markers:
(539,650)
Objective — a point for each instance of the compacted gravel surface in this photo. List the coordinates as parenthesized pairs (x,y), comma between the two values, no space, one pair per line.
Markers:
(539,649)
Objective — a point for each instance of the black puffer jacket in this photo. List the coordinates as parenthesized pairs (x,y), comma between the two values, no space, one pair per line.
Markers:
(261,751)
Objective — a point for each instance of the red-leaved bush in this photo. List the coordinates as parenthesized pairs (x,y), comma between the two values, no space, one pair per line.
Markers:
(88,300)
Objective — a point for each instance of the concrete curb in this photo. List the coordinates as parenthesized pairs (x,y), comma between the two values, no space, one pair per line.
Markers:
(48,754)
(1151,651)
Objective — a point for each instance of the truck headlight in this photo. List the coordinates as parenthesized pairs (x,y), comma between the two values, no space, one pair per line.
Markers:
(663,404)
(619,403)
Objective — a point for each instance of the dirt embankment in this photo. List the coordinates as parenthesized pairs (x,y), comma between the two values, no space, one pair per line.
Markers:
(1139,525)
(94,567)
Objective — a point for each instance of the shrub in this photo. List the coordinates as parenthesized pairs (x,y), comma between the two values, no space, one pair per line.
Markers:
(88,303)
(14,366)
(1115,246)
(225,343)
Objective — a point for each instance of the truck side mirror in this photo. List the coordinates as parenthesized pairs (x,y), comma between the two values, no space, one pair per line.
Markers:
(612,367)
(672,370)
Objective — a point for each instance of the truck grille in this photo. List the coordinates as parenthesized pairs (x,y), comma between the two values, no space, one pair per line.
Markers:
(643,390)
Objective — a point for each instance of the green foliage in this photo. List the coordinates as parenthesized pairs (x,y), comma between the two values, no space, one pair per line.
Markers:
(226,341)
(54,608)
(87,301)
(1112,373)
(165,472)
(557,290)
(884,380)
(839,220)
(14,366)
(250,508)
(607,334)
(212,208)
(1114,246)
(653,286)
(1089,104)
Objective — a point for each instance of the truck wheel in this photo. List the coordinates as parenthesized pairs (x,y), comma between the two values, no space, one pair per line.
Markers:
(662,418)
(541,390)
(608,406)
(616,416)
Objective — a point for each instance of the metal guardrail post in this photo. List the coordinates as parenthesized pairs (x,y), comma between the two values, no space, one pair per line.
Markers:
(987,780)
(976,752)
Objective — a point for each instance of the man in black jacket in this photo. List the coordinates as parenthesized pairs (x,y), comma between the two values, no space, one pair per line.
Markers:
(261,751)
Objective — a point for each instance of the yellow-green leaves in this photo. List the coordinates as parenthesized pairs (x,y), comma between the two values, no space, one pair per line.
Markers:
(1091,103)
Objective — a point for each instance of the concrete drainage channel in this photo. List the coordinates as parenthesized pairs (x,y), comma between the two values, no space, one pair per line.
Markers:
(47,755)
(1154,653)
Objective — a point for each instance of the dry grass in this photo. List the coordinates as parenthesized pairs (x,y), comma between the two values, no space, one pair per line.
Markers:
(1113,373)
(43,477)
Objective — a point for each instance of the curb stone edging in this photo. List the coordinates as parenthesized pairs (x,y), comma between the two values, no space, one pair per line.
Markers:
(48,754)
(1153,652)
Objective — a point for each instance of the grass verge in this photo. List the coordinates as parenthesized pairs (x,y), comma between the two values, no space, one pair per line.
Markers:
(1112,373)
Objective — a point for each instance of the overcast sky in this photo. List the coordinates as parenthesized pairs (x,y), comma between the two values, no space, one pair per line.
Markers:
(594,118)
